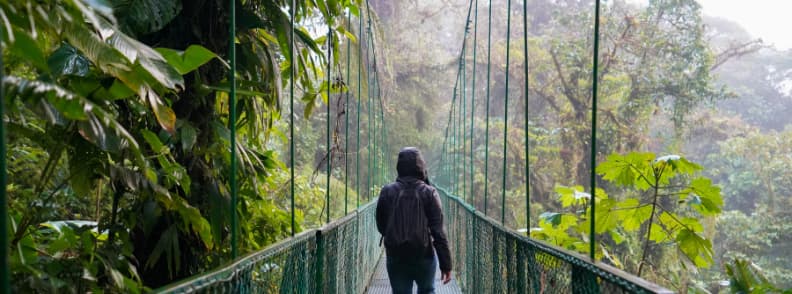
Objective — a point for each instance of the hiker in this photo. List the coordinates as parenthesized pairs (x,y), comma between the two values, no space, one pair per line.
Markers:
(410,219)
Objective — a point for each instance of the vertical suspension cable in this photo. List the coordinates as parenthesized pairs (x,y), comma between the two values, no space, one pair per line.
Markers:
(292,66)
(459,140)
(454,172)
(370,147)
(506,114)
(527,143)
(359,102)
(486,124)
(329,83)
(346,123)
(464,114)
(592,245)
(473,106)
(5,280)
(232,123)
(369,131)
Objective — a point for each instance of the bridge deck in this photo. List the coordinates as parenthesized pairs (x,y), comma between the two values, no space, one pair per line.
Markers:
(379,283)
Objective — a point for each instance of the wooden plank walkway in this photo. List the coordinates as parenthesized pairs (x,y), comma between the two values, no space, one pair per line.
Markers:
(380,285)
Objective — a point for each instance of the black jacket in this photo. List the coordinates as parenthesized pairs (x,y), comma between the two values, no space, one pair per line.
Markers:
(412,169)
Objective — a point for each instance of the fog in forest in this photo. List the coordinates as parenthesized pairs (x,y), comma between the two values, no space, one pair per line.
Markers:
(674,80)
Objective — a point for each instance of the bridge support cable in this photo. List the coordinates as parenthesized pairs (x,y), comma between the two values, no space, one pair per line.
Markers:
(371,149)
(346,116)
(487,111)
(329,74)
(292,66)
(463,155)
(473,105)
(506,114)
(359,102)
(232,125)
(525,121)
(593,175)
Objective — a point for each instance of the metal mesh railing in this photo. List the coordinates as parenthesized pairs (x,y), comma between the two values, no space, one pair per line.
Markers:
(337,258)
(490,258)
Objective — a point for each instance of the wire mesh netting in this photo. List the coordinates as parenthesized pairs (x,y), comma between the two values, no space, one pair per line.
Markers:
(493,259)
(337,258)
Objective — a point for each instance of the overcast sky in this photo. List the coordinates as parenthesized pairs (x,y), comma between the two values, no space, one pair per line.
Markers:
(766,19)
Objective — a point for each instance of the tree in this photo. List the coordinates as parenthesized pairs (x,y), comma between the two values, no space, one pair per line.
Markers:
(666,205)
(126,102)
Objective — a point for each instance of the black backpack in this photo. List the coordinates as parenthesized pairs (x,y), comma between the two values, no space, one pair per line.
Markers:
(408,230)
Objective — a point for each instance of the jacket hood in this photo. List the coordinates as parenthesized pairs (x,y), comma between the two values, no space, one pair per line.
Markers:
(412,165)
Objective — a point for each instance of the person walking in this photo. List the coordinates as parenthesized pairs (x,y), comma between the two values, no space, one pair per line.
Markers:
(410,220)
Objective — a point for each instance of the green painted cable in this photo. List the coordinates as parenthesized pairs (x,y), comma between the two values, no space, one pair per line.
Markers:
(593,244)
(455,140)
(527,142)
(473,106)
(506,114)
(346,123)
(329,150)
(369,133)
(5,272)
(359,102)
(292,66)
(486,124)
(368,100)
(462,119)
(232,125)
(461,142)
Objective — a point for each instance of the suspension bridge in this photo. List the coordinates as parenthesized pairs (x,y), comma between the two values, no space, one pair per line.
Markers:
(345,255)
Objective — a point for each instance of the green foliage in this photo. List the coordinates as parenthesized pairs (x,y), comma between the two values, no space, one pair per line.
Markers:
(745,277)
(187,60)
(107,128)
(671,203)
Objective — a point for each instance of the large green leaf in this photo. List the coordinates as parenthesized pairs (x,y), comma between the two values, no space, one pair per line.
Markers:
(628,170)
(695,247)
(148,58)
(187,60)
(141,17)
(632,214)
(67,61)
(703,196)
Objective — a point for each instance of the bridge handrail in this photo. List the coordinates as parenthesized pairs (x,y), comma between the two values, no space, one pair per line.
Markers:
(585,276)
(313,247)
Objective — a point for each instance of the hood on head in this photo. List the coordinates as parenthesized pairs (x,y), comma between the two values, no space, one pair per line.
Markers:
(412,164)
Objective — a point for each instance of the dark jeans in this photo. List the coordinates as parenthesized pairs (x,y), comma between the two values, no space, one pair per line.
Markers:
(403,271)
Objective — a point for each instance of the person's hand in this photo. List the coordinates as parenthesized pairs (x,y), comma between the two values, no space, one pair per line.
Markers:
(445,277)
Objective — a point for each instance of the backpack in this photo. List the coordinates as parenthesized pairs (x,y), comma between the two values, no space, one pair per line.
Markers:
(408,230)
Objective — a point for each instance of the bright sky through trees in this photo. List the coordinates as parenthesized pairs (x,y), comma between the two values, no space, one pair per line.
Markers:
(766,19)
